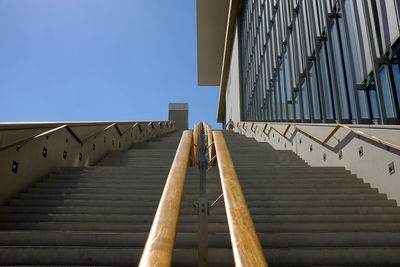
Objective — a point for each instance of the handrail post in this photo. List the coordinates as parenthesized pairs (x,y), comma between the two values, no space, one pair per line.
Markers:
(203,206)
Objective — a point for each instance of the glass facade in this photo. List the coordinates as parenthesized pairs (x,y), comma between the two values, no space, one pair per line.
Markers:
(320,61)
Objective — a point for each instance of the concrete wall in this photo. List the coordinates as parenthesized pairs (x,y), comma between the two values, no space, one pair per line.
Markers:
(232,110)
(179,112)
(366,158)
(80,144)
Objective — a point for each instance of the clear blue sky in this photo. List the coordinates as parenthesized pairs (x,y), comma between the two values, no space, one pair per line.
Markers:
(80,60)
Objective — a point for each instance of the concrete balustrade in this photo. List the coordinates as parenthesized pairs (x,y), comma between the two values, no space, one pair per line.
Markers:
(30,151)
(375,159)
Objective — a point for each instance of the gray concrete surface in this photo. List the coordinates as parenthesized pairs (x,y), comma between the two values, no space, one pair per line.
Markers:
(62,148)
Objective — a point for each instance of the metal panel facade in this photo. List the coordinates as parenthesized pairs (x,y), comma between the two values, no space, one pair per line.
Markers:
(320,61)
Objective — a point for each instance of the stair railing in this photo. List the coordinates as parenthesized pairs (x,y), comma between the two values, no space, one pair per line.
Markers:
(68,128)
(202,204)
(193,153)
(247,250)
(211,147)
(160,243)
(30,151)
(327,138)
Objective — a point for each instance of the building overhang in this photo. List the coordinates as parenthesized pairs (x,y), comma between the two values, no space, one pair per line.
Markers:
(212,16)
(216,20)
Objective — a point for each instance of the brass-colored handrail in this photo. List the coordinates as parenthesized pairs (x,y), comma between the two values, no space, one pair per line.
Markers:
(160,243)
(247,250)
(193,153)
(33,137)
(120,133)
(211,147)
(151,124)
(10,126)
(331,134)
(73,134)
(130,128)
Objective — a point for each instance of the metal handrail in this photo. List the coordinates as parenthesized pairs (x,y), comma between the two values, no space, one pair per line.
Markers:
(160,243)
(74,135)
(133,126)
(84,140)
(26,140)
(12,126)
(331,134)
(151,124)
(211,146)
(193,152)
(247,250)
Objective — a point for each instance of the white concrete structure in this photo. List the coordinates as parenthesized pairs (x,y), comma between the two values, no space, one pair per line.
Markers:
(30,151)
(179,113)
(313,64)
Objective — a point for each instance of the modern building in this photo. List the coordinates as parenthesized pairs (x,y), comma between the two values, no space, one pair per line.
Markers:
(320,78)
(309,177)
(302,61)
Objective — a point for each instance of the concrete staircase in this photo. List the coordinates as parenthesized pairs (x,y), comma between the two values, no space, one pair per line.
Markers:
(101,215)
(97,215)
(314,216)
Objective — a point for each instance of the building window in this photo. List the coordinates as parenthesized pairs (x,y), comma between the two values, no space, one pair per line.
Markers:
(314,61)
(396,81)
(386,93)
(304,99)
(362,98)
(312,75)
(288,87)
(342,70)
(325,83)
(374,104)
(296,101)
(277,100)
(347,70)
(283,93)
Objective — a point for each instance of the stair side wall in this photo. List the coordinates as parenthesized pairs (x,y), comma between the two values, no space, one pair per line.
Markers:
(63,150)
(367,159)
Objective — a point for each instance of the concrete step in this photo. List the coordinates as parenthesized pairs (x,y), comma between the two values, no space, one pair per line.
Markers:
(194,191)
(111,169)
(84,238)
(128,256)
(133,174)
(315,196)
(266,170)
(213,227)
(190,210)
(322,203)
(100,226)
(89,202)
(193,188)
(210,183)
(191,218)
(92,196)
(89,256)
(249,198)
(297,180)
(154,203)
(189,240)
(334,256)
(289,173)
(88,218)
